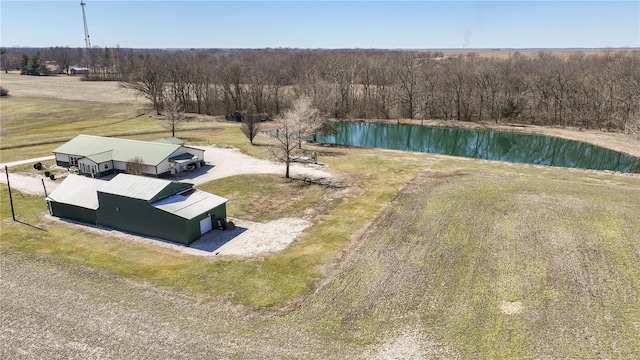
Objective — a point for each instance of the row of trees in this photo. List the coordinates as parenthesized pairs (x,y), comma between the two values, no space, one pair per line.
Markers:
(588,91)
(103,63)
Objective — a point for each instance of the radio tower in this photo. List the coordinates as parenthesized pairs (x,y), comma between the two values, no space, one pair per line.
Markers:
(86,33)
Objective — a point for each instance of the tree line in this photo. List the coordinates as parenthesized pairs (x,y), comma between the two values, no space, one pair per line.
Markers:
(111,64)
(597,91)
(592,91)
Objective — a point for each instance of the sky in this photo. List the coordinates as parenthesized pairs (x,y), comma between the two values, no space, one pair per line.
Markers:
(322,24)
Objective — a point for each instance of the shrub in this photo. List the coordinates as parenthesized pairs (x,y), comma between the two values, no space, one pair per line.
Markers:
(37,166)
(52,177)
(3,91)
(47,173)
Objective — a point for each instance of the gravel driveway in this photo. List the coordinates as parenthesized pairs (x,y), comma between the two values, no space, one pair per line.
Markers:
(248,239)
(221,163)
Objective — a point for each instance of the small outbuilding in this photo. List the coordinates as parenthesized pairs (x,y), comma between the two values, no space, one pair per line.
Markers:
(148,206)
(78,71)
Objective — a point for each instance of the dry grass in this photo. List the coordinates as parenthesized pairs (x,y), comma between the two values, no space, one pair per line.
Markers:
(451,254)
(278,197)
(68,88)
(418,259)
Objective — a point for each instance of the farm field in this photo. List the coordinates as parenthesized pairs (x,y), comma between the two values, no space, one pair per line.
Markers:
(418,256)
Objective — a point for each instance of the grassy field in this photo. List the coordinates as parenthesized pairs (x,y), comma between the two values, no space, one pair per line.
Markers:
(498,265)
(424,255)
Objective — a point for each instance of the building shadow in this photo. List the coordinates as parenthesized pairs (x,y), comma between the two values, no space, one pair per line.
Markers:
(215,239)
(190,175)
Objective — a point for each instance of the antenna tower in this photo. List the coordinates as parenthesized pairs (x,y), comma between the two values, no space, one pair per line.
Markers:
(86,31)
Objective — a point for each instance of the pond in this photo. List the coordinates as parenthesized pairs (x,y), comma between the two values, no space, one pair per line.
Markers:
(490,145)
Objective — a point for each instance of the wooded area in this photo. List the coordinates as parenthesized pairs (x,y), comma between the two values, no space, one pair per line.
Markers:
(595,91)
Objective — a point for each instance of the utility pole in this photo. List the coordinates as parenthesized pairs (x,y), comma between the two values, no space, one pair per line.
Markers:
(13,214)
(45,188)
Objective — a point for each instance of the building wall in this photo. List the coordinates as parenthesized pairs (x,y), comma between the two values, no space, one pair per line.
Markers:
(193,225)
(163,168)
(73,212)
(138,216)
(87,166)
(106,168)
(62,157)
(62,160)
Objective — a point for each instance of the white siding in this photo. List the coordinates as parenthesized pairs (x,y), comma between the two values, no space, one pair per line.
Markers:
(163,167)
(119,165)
(87,166)
(62,157)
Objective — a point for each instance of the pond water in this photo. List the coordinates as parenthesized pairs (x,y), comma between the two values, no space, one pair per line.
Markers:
(490,145)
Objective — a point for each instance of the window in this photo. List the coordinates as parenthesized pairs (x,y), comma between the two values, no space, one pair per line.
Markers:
(73,160)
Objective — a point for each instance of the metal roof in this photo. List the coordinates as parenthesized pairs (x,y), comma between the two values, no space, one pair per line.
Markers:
(79,191)
(171,140)
(137,187)
(83,192)
(152,153)
(182,158)
(190,204)
(101,157)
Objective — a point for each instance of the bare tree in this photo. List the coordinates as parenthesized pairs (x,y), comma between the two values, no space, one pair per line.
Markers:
(299,122)
(250,126)
(149,79)
(407,74)
(136,166)
(584,90)
(63,56)
(173,118)
(9,60)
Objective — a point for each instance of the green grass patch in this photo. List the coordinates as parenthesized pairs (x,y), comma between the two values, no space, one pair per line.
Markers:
(459,253)
(266,282)
(278,197)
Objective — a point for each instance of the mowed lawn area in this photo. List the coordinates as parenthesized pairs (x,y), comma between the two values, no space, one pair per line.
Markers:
(418,255)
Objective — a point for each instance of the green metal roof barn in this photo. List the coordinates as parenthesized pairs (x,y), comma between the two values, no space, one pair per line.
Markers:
(148,206)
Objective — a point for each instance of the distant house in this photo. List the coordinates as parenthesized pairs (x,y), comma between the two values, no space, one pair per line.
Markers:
(78,71)
(159,208)
(99,156)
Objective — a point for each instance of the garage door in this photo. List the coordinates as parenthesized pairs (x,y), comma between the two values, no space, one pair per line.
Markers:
(205,225)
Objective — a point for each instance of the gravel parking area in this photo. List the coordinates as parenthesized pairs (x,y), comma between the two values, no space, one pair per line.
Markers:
(247,239)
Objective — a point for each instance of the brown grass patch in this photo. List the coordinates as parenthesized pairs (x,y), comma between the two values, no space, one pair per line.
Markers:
(511,307)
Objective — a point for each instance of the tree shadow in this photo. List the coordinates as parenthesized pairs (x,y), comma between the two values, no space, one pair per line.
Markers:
(330,149)
(264,145)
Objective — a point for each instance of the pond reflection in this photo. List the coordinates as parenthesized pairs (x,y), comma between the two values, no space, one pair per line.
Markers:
(490,145)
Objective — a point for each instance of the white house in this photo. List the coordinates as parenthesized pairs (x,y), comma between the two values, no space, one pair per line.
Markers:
(99,156)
